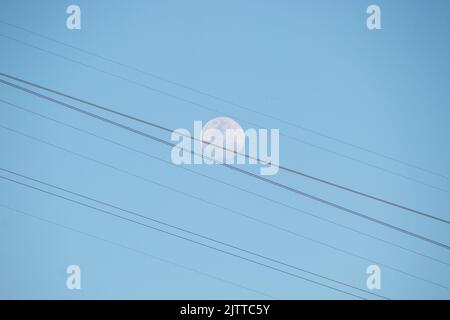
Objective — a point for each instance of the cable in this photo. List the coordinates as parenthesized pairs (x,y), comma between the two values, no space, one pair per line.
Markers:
(232,211)
(209,178)
(216,111)
(249,217)
(144,253)
(229,102)
(308,176)
(177,228)
(199,243)
(146,135)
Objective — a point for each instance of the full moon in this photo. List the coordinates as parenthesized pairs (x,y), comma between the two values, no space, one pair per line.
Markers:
(224,123)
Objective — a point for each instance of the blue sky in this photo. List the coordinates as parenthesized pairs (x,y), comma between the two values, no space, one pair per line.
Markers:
(371,112)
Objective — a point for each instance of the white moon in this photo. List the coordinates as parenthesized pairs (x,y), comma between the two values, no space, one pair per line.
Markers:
(224,123)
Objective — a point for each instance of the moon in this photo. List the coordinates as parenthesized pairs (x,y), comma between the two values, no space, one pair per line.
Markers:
(224,123)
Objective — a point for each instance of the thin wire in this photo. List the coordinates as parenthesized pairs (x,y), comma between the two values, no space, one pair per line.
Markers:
(229,102)
(198,242)
(228,209)
(120,245)
(216,111)
(152,124)
(134,213)
(233,211)
(296,191)
(206,177)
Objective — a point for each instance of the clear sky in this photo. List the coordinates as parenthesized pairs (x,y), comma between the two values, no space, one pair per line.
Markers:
(365,109)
